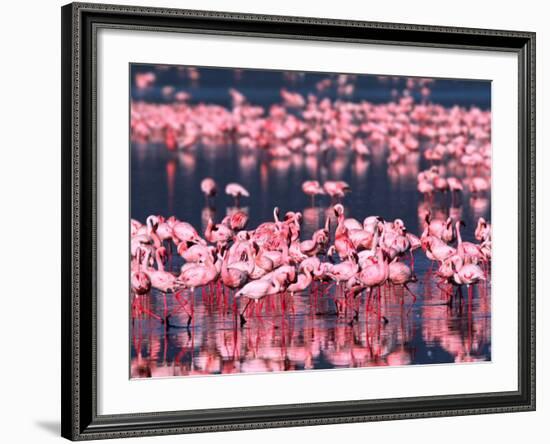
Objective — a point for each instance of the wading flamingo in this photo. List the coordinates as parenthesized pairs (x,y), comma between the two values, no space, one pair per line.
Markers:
(236,191)
(256,290)
(312,188)
(209,188)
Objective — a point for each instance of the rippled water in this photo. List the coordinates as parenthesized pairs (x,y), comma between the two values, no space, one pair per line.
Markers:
(302,332)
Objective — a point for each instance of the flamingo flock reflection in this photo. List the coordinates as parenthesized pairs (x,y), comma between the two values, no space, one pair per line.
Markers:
(321,286)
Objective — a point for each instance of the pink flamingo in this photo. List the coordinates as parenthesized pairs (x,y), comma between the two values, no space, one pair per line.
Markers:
(375,275)
(237,220)
(336,189)
(196,253)
(345,270)
(479,185)
(455,185)
(235,276)
(342,243)
(219,234)
(467,274)
(439,228)
(468,251)
(163,281)
(312,188)
(140,284)
(236,191)
(438,250)
(185,232)
(313,246)
(303,281)
(257,290)
(209,188)
(483,230)
(401,274)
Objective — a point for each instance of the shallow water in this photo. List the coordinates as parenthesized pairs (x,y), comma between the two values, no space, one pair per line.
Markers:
(297,332)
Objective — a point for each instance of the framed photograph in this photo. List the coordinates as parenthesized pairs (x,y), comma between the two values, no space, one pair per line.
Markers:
(281,221)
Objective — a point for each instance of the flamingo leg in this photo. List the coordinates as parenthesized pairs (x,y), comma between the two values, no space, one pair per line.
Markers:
(147,311)
(243,320)
(410,292)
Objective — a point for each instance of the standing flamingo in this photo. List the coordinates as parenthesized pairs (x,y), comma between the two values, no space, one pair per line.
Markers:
(256,290)
(312,188)
(209,188)
(470,252)
(401,274)
(236,191)
(336,189)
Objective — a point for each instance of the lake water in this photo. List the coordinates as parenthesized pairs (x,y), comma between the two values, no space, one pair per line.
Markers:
(300,332)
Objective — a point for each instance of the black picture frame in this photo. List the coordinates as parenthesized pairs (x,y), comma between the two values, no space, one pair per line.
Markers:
(80,22)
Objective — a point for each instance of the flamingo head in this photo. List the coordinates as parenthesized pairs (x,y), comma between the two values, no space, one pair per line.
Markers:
(243,235)
(338,210)
(182,247)
(152,224)
(399,224)
(428,217)
(289,216)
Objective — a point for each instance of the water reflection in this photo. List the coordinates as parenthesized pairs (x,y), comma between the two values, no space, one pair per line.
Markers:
(303,332)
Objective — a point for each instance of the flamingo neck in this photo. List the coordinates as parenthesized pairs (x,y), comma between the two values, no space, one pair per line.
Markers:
(458,236)
(160,264)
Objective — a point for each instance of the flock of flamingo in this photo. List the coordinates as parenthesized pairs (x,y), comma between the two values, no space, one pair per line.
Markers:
(347,260)
(359,257)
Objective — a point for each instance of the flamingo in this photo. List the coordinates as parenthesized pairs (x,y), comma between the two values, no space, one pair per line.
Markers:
(375,275)
(236,191)
(468,251)
(483,230)
(184,232)
(257,290)
(438,250)
(345,270)
(237,220)
(467,274)
(336,189)
(312,188)
(235,276)
(140,283)
(209,188)
(342,243)
(401,274)
(303,281)
(455,185)
(219,234)
(163,281)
